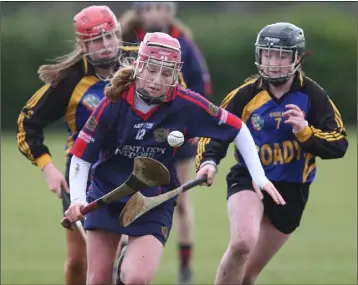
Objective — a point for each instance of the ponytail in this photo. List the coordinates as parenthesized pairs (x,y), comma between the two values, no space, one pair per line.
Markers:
(119,83)
(53,73)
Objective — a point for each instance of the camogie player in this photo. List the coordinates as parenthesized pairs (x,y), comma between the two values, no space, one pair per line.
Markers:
(73,88)
(156,16)
(143,103)
(293,121)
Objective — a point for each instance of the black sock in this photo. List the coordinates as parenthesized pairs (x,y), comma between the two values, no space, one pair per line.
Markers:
(185,253)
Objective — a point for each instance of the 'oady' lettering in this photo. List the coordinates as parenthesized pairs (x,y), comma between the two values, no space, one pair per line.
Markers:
(279,153)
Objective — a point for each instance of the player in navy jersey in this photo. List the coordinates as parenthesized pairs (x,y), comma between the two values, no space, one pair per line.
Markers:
(143,104)
(158,16)
(292,120)
(73,87)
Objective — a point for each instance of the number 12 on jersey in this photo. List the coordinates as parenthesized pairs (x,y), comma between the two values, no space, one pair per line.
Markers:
(140,134)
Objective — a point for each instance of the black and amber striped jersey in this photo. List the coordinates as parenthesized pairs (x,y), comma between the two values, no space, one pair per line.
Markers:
(73,99)
(285,155)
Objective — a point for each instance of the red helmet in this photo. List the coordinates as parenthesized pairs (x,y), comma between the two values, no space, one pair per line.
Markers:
(161,47)
(94,21)
(164,51)
(98,22)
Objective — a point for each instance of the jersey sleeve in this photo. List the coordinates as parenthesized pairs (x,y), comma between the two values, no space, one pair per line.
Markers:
(325,135)
(46,106)
(208,120)
(90,139)
(215,150)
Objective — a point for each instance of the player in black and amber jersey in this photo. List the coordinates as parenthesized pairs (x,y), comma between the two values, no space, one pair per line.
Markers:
(73,88)
(292,120)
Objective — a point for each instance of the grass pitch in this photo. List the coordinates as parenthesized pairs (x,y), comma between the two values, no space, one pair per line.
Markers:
(322,251)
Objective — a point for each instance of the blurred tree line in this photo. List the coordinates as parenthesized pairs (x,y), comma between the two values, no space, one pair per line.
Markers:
(31,38)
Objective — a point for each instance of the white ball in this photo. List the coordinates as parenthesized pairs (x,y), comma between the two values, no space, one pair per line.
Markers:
(175,139)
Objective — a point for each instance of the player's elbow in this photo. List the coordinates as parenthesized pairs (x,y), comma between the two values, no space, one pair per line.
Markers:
(343,148)
(338,151)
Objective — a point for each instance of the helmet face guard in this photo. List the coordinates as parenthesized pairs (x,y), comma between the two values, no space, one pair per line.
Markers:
(274,63)
(98,31)
(279,51)
(109,48)
(157,68)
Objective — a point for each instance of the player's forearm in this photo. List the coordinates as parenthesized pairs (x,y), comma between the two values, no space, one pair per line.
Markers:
(246,145)
(210,150)
(326,145)
(79,170)
(30,140)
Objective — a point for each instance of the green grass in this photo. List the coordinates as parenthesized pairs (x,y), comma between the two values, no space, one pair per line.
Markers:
(322,251)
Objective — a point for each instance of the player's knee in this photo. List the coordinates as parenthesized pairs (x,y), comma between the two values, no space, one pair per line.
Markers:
(76,260)
(76,265)
(136,277)
(99,277)
(242,246)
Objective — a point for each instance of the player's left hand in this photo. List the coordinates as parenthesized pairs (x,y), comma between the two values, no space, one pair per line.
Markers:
(270,189)
(295,117)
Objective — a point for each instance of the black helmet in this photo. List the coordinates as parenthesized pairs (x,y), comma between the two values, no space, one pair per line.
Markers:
(281,37)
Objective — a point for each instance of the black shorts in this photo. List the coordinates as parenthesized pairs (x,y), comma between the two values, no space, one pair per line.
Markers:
(284,218)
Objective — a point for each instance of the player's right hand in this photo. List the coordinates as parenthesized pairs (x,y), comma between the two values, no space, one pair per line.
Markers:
(208,170)
(271,190)
(73,213)
(55,179)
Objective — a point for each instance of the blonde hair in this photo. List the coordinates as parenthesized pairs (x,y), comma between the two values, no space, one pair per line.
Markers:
(53,73)
(119,83)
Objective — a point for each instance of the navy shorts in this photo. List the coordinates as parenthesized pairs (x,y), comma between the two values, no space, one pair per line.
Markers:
(187,151)
(156,222)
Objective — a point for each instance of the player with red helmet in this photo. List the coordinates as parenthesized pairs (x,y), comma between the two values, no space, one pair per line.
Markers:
(161,16)
(98,33)
(165,63)
(143,104)
(74,86)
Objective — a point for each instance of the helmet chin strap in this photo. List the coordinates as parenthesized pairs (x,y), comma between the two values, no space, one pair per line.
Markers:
(106,63)
(277,82)
(150,100)
(103,63)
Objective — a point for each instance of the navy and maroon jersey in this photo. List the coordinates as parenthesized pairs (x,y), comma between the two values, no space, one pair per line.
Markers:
(116,133)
